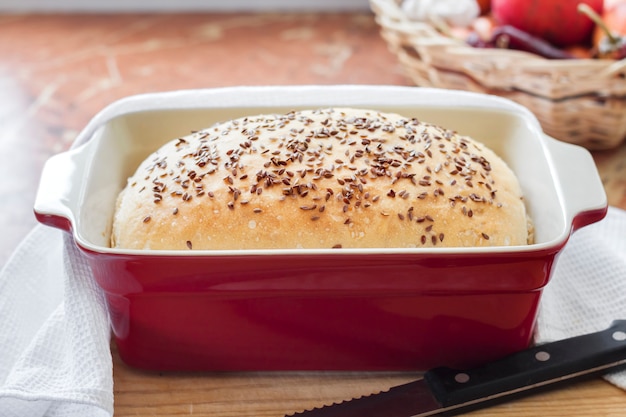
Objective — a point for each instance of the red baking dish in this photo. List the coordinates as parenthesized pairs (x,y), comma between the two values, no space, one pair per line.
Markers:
(294,309)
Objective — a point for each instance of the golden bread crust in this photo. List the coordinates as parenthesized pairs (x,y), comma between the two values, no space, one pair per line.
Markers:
(326,178)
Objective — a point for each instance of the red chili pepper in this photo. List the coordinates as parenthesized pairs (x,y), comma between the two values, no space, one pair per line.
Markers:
(509,37)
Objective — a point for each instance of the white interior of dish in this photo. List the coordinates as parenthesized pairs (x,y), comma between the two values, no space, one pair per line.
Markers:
(119,146)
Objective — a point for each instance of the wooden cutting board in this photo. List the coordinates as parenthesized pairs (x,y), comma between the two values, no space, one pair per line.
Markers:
(274,394)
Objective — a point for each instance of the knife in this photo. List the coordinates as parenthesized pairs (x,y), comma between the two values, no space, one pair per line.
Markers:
(447,390)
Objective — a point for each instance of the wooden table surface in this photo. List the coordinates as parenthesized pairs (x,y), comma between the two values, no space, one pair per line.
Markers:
(57,71)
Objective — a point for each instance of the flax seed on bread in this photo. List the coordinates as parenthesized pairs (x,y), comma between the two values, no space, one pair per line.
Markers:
(325,178)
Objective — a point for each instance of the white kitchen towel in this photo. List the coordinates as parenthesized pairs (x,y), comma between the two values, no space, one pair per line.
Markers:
(55,359)
(54,344)
(588,287)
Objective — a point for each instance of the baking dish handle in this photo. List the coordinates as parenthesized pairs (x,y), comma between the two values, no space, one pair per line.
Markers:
(583,194)
(55,200)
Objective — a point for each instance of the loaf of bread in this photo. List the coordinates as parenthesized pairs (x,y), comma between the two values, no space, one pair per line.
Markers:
(325,178)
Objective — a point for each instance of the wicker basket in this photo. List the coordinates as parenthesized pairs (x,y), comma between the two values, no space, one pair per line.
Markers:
(581,101)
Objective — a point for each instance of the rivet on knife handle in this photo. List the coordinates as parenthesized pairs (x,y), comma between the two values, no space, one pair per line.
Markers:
(446,389)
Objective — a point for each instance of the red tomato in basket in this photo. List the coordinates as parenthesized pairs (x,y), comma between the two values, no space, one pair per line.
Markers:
(556,21)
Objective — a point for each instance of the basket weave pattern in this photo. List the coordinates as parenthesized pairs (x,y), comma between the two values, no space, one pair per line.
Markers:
(581,101)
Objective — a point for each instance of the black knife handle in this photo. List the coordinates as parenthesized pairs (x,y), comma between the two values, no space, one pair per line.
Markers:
(541,365)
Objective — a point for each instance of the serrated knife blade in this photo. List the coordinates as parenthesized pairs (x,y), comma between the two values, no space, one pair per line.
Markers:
(449,390)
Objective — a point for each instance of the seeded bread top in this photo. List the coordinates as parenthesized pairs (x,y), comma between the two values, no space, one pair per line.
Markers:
(326,178)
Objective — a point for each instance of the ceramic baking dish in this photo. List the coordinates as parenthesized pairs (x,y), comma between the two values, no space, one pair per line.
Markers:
(366,309)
